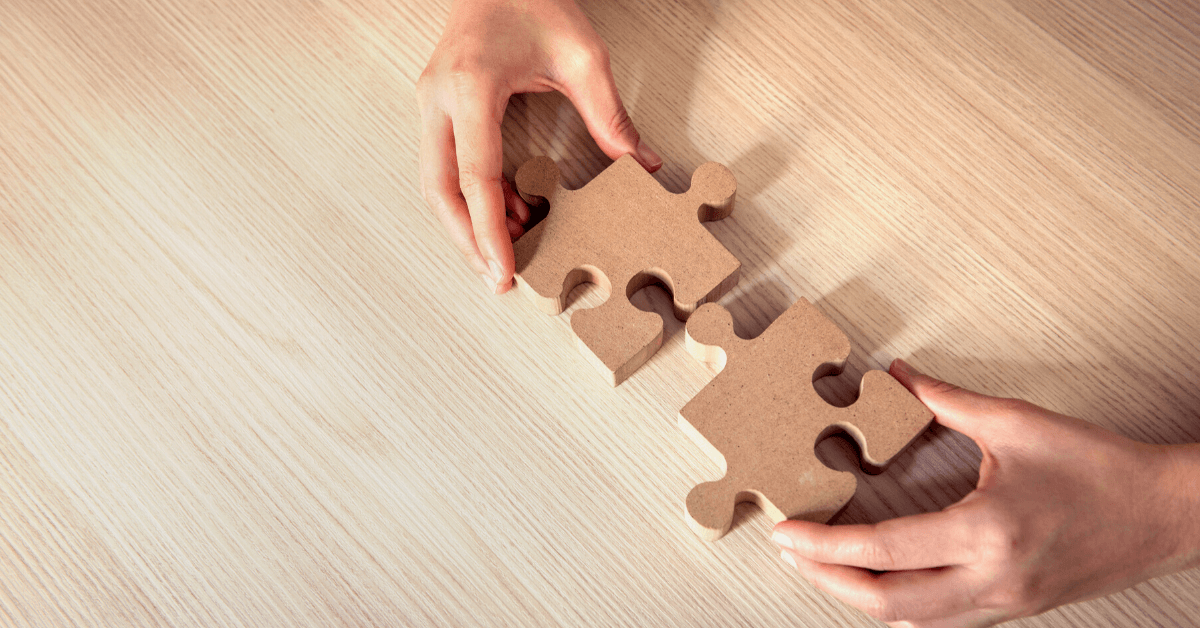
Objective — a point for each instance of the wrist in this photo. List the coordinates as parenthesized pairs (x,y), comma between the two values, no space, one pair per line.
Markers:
(1181,490)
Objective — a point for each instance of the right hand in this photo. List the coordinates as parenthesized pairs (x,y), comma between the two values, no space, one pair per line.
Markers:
(1064,511)
(490,50)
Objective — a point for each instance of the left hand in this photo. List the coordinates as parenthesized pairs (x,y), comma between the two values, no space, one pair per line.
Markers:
(490,50)
(1064,511)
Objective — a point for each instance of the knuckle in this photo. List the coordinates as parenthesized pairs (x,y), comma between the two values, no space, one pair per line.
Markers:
(425,81)
(601,57)
(445,214)
(432,199)
(881,607)
(1016,597)
(474,183)
(471,67)
(621,124)
(584,58)
(999,539)
(465,71)
(1002,538)
(426,90)
(879,553)
(886,548)
(463,74)
(1014,408)
(434,194)
(464,82)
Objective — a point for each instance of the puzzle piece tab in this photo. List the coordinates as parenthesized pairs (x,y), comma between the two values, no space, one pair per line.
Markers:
(761,418)
(623,231)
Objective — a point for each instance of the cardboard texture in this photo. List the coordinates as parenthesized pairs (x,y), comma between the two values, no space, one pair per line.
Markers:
(761,418)
(623,231)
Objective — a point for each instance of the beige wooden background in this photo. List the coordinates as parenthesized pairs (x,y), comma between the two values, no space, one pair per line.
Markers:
(246,381)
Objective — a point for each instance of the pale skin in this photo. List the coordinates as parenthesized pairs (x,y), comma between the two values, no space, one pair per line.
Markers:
(1064,510)
(490,50)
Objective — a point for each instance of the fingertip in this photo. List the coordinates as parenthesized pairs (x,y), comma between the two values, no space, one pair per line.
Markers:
(783,527)
(952,406)
(918,383)
(516,205)
(808,569)
(596,98)
(505,282)
(515,230)
(500,278)
(792,527)
(797,535)
(903,372)
(646,156)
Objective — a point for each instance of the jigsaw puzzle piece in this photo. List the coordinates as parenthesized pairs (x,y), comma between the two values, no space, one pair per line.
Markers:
(761,418)
(617,336)
(539,277)
(623,232)
(696,268)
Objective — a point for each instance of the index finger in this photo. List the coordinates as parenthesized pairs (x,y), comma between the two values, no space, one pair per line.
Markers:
(935,539)
(480,156)
(894,596)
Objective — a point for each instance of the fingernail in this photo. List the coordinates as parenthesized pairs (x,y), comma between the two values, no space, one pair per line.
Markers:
(497,274)
(782,539)
(489,282)
(900,366)
(512,201)
(908,369)
(788,558)
(647,156)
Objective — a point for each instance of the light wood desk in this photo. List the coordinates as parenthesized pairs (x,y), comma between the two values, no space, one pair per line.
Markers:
(245,380)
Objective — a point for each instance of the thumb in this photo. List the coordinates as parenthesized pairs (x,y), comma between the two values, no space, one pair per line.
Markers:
(957,408)
(594,94)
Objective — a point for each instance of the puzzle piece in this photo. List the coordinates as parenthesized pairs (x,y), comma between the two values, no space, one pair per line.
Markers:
(623,231)
(761,418)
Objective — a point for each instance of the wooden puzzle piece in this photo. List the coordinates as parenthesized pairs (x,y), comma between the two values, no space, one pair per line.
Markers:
(624,232)
(761,418)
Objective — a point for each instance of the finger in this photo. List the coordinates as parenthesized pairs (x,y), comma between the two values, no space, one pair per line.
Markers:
(439,179)
(594,93)
(977,618)
(957,408)
(892,596)
(517,207)
(515,230)
(935,539)
(480,155)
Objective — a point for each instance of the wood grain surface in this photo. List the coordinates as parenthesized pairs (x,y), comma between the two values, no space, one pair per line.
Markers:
(245,379)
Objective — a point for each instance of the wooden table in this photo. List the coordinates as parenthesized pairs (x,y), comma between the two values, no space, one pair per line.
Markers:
(245,379)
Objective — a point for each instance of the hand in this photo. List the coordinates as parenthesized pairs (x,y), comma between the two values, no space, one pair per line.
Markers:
(1064,511)
(490,50)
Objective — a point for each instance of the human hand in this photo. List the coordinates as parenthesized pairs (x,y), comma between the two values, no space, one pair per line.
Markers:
(1064,511)
(490,50)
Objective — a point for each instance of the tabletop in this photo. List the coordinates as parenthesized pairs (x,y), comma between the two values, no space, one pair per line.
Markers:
(246,379)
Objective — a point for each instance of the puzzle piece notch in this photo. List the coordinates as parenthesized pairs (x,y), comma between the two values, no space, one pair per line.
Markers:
(760,418)
(623,231)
